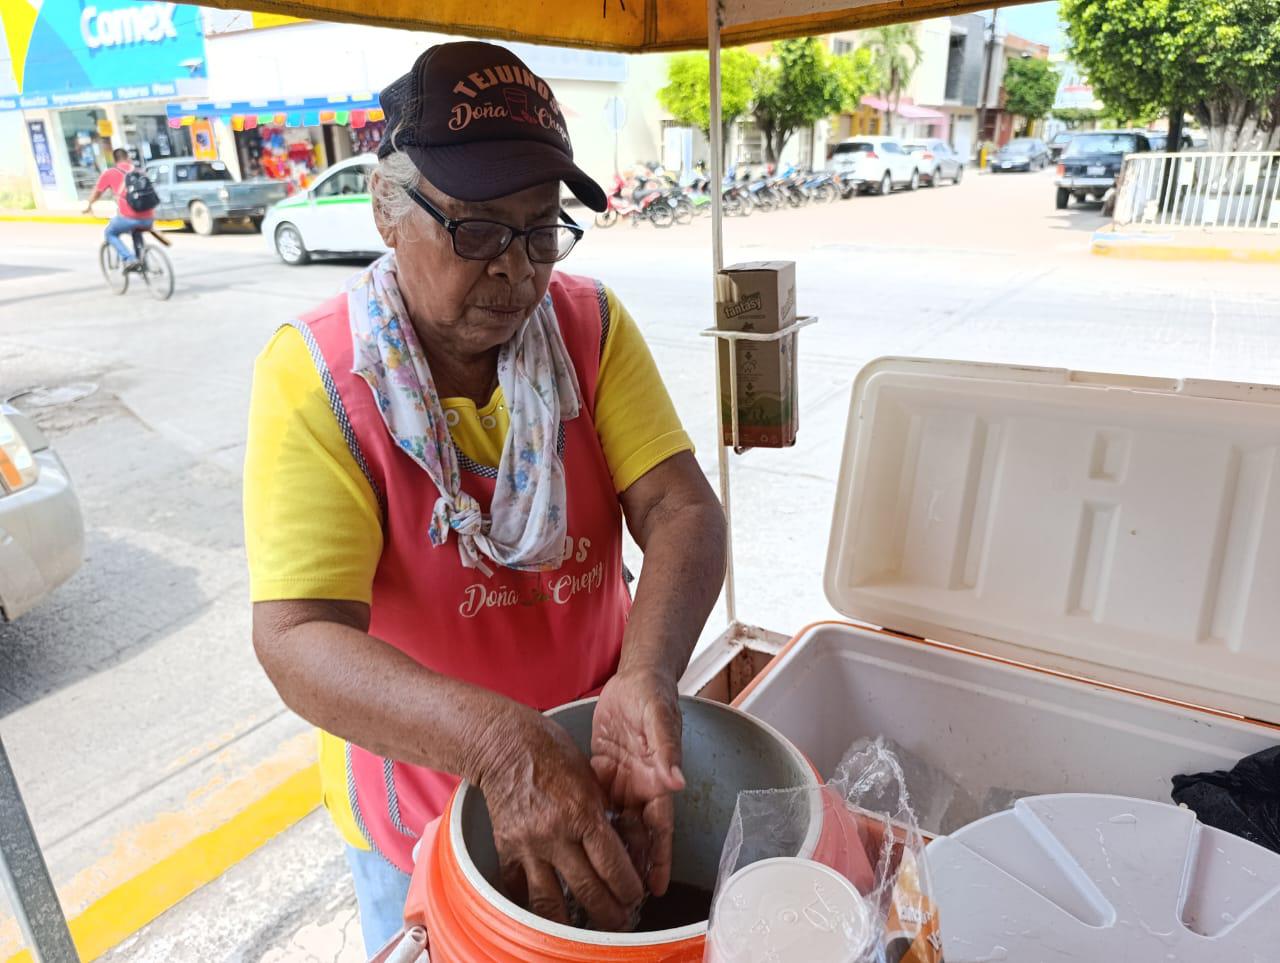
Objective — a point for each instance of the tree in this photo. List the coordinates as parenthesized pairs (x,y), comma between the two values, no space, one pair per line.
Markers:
(1218,59)
(1075,116)
(803,84)
(895,53)
(687,96)
(1030,88)
(1103,117)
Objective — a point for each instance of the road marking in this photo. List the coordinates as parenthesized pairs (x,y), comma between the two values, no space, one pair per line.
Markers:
(154,867)
(1136,247)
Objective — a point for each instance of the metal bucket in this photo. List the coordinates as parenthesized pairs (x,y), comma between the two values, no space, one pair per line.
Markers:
(725,752)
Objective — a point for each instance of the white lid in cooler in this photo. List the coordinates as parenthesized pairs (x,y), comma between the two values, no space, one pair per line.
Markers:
(1103,878)
(1126,529)
(789,908)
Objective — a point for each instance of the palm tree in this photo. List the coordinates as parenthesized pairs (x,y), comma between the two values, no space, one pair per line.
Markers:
(897,54)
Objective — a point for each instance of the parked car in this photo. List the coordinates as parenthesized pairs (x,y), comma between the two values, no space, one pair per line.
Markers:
(1058,143)
(41,529)
(334,217)
(880,162)
(1021,154)
(205,195)
(1159,140)
(1092,161)
(936,161)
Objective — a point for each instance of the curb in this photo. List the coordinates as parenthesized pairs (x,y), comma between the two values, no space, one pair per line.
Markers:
(181,852)
(1165,247)
(37,217)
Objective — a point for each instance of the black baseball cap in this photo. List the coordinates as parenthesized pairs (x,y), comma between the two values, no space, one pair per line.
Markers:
(479,125)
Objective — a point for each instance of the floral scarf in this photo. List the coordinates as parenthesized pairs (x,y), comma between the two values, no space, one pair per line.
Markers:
(526,526)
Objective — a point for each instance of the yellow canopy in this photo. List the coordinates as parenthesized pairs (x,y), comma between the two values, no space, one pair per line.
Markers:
(628,26)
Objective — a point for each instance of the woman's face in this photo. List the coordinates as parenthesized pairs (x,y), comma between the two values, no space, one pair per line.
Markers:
(471,306)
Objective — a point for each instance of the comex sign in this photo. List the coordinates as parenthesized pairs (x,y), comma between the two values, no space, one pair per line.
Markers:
(97,51)
(149,23)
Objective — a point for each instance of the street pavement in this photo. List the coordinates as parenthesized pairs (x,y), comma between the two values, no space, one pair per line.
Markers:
(133,694)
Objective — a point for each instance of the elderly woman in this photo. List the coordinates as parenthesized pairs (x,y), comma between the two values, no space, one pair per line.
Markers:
(439,464)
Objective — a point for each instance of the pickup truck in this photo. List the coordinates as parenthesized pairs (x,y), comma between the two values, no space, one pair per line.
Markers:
(205,195)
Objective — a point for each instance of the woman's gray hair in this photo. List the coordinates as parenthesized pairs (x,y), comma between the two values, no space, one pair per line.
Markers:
(396,175)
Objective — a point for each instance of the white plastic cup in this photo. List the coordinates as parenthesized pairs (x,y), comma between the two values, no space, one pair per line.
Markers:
(789,908)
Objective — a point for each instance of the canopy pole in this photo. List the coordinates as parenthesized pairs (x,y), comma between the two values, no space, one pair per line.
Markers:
(24,876)
(717,265)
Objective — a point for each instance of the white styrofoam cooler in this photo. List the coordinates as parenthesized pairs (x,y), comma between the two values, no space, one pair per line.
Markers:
(1090,557)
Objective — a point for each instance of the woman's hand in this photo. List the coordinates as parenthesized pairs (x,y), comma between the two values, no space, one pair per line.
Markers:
(635,752)
(549,818)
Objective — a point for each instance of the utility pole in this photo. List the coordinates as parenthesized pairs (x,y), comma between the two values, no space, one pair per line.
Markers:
(988,56)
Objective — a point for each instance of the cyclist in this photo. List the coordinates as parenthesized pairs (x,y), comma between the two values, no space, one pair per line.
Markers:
(136,199)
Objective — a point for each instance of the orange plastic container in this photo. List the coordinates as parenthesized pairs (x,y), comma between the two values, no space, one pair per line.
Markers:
(468,920)
(465,927)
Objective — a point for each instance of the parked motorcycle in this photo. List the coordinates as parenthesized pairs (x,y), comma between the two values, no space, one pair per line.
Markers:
(640,204)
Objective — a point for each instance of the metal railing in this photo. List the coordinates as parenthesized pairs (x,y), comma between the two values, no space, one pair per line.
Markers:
(1239,190)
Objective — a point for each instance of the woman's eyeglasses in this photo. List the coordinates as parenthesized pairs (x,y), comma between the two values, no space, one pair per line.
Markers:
(477,239)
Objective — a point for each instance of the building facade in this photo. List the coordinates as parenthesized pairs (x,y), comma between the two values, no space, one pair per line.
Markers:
(1001,126)
(966,50)
(277,97)
(289,69)
(942,99)
(82,78)
(267,95)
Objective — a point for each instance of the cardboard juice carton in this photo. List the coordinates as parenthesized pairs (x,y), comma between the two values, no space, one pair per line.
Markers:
(759,296)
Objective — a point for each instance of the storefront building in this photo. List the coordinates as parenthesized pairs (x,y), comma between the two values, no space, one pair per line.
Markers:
(289,98)
(87,77)
(269,96)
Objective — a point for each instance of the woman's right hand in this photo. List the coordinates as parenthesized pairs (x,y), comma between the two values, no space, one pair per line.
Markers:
(549,817)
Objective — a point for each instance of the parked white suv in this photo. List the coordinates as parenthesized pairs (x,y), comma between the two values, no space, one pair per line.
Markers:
(880,163)
(41,529)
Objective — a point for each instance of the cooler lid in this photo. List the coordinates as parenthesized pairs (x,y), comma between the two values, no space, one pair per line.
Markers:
(1122,528)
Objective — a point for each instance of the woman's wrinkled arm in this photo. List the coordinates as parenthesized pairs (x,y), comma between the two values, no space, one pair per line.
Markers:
(548,811)
(675,518)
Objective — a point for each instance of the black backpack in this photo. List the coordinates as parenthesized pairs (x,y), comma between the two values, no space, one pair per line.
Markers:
(139,192)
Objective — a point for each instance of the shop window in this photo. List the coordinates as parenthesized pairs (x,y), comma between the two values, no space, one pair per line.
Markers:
(281,153)
(751,145)
(87,149)
(352,180)
(955,66)
(366,139)
(150,138)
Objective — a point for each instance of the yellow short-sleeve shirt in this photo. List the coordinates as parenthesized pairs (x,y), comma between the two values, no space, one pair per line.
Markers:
(312,522)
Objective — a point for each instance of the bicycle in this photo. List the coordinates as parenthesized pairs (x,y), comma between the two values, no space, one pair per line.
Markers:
(156,270)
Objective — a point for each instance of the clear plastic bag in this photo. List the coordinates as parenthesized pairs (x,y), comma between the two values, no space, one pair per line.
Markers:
(833,874)
(940,802)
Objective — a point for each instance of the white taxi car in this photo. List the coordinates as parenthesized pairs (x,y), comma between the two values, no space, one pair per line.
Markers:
(41,528)
(335,216)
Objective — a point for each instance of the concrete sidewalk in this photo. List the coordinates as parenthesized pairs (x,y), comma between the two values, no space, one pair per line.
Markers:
(1188,245)
(289,902)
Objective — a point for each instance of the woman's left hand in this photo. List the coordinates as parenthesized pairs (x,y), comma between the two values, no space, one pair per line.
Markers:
(635,752)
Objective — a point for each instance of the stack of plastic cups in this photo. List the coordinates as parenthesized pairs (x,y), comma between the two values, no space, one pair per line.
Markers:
(789,908)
